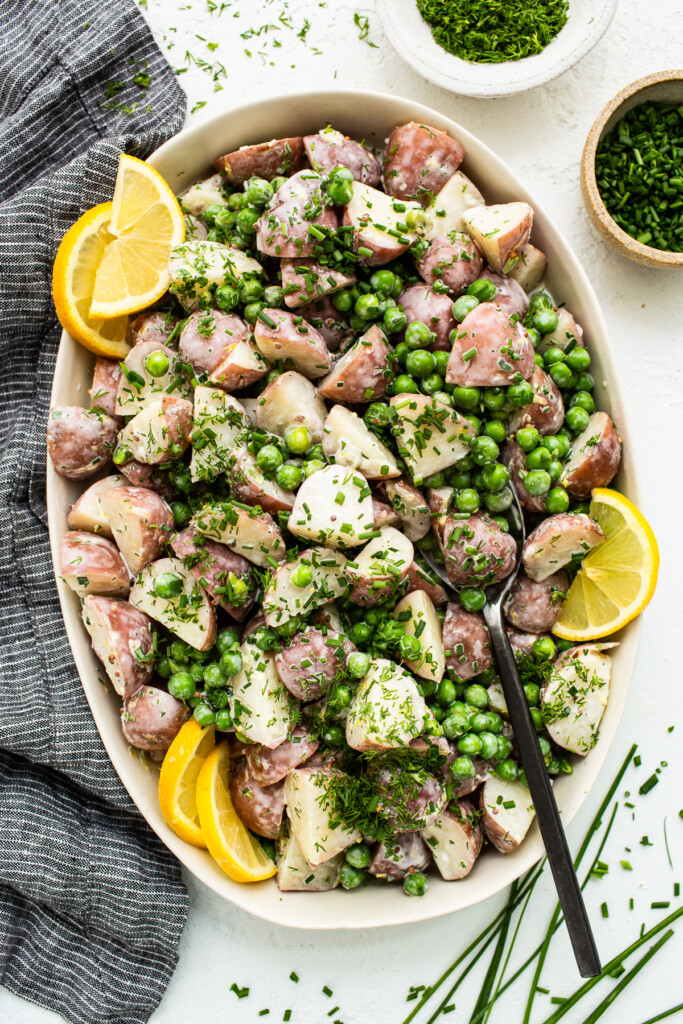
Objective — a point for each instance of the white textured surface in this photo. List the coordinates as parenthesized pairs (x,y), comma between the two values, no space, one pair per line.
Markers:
(540,134)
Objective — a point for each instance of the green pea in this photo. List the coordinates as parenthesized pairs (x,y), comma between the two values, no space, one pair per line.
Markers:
(520,394)
(577,419)
(182,480)
(258,191)
(333,736)
(483,289)
(564,645)
(343,300)
(274,296)
(455,724)
(466,398)
(394,320)
(211,213)
(496,476)
(121,456)
(252,312)
(528,438)
(351,877)
(469,744)
(163,667)
(204,714)
(213,676)
(225,639)
(472,599)
(584,400)
(417,335)
(223,720)
(341,695)
(340,173)
(156,364)
(445,694)
(479,723)
(499,501)
(182,514)
(405,385)
(231,663)
(298,439)
(464,305)
(496,430)
(484,450)
(537,482)
(401,352)
(432,385)
(557,500)
(467,500)
(493,399)
(420,364)
(236,200)
(541,300)
(361,633)
(269,458)
(218,699)
(555,470)
(197,672)
(544,744)
(561,375)
(302,576)
(459,480)
(182,685)
(266,639)
(507,770)
(358,856)
(288,477)
(555,445)
(358,664)
(537,719)
(438,713)
(340,192)
(584,382)
(383,281)
(477,696)
(538,360)
(495,722)
(475,423)
(462,768)
(544,649)
(539,458)
(441,360)
(367,307)
(415,884)
(534,338)
(247,218)
(532,692)
(410,648)
(504,747)
(578,359)
(168,585)
(554,355)
(489,745)
(544,320)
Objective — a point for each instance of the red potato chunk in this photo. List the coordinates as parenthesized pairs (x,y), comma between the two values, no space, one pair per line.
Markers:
(266,160)
(242,366)
(362,373)
(160,432)
(529,270)
(80,442)
(208,337)
(151,718)
(410,506)
(292,340)
(545,411)
(447,207)
(419,160)
(250,485)
(329,149)
(305,280)
(566,333)
(476,551)
(436,311)
(105,382)
(291,400)
(593,458)
(309,664)
(509,296)
(523,643)
(491,349)
(499,231)
(466,642)
(403,856)
(283,228)
(556,541)
(92,565)
(260,808)
(270,766)
(455,840)
(506,813)
(140,521)
(452,259)
(122,639)
(198,197)
(86,513)
(402,804)
(383,514)
(218,569)
(323,315)
(420,577)
(148,326)
(533,607)
(141,474)
(380,231)
(514,458)
(138,388)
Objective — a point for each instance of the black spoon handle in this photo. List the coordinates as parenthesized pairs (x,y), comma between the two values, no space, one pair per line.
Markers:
(559,857)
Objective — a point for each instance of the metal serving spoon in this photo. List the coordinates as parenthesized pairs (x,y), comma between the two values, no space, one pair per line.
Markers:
(559,857)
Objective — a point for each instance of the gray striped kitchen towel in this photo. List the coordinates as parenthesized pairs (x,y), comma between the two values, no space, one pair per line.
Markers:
(91,903)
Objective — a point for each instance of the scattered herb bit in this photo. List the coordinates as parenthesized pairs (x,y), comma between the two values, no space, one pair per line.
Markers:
(661,905)
(362,23)
(241,993)
(604,910)
(294,977)
(666,844)
(637,761)
(677,888)
(287,1015)
(327,991)
(626,865)
(648,785)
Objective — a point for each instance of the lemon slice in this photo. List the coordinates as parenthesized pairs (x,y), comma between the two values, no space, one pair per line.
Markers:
(73,280)
(178,780)
(146,223)
(230,844)
(617,578)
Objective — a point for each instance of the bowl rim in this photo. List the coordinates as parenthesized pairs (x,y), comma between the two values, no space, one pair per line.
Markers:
(283,908)
(626,244)
(515,83)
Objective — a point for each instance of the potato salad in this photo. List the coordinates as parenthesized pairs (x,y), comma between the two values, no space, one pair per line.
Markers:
(355,365)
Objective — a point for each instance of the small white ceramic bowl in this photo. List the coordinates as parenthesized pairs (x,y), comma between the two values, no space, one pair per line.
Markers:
(411,37)
(183,160)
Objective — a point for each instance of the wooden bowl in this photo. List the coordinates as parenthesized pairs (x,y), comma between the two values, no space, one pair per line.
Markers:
(664,86)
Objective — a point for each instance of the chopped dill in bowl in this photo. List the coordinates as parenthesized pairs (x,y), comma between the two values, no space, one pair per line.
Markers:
(494,31)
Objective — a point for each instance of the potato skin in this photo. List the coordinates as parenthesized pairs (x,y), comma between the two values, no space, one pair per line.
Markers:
(260,808)
(208,336)
(91,564)
(593,463)
(298,345)
(266,160)
(141,474)
(310,662)
(250,485)
(495,551)
(533,607)
(325,317)
(152,718)
(419,160)
(452,259)
(420,302)
(211,564)
(522,643)
(465,635)
(125,630)
(510,296)
(138,506)
(545,411)
(405,855)
(80,442)
(514,458)
(362,373)
(330,149)
(270,766)
(105,381)
(155,326)
(305,280)
(282,229)
(403,806)
(502,348)
(418,581)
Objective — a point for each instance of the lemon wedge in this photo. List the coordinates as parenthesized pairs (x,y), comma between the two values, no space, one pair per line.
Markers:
(146,224)
(617,578)
(178,780)
(230,844)
(73,280)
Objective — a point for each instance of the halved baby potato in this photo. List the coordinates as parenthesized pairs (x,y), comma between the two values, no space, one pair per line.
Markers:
(333,507)
(249,482)
(281,335)
(285,598)
(295,874)
(379,568)
(575,697)
(123,640)
(348,442)
(507,813)
(189,614)
(91,564)
(499,231)
(455,840)
(387,710)
(362,373)
(197,266)
(379,224)
(87,513)
(138,388)
(141,523)
(259,703)
(557,540)
(291,400)
(410,506)
(306,792)
(242,366)
(219,424)
(417,615)
(248,531)
(431,436)
(160,432)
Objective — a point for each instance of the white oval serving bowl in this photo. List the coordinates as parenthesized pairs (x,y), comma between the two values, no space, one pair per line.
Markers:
(184,159)
(411,37)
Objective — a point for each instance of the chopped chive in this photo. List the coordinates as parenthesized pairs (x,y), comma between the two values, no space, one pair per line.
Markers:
(294,977)
(660,905)
(604,910)
(327,991)
(648,785)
